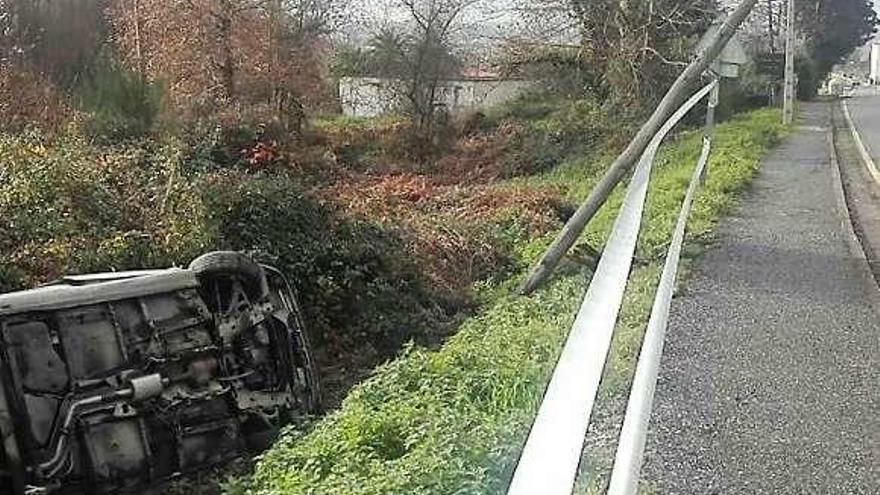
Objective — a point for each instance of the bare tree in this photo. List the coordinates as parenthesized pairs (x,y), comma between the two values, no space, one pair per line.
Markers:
(315,18)
(428,60)
(299,27)
(763,30)
(635,44)
(230,57)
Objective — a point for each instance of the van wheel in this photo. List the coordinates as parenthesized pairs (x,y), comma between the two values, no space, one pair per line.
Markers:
(232,265)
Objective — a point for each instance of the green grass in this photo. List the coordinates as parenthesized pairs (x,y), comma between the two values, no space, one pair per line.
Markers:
(347,121)
(529,107)
(452,421)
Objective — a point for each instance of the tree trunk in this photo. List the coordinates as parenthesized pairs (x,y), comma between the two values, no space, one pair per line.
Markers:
(226,65)
(276,93)
(138,48)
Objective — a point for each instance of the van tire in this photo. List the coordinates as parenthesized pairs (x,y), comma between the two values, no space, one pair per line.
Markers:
(232,264)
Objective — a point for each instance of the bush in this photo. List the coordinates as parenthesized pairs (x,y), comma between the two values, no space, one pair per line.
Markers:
(362,144)
(528,107)
(212,145)
(28,99)
(554,131)
(120,104)
(810,75)
(356,284)
(67,207)
(562,71)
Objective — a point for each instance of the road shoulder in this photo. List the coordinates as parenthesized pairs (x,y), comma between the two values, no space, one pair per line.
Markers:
(862,192)
(769,381)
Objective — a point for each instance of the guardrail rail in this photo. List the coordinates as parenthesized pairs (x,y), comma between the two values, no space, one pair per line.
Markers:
(551,456)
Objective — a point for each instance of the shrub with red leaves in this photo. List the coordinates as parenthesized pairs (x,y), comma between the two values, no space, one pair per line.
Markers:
(29,99)
(262,155)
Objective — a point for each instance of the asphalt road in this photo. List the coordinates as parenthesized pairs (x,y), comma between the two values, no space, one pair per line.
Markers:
(863,192)
(865,111)
(770,383)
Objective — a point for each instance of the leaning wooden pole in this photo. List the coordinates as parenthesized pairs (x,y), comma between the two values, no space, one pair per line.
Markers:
(576,224)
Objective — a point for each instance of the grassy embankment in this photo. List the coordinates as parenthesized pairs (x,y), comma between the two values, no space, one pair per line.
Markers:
(383,251)
(453,420)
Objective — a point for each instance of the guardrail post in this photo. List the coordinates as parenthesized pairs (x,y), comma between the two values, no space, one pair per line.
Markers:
(709,129)
(714,100)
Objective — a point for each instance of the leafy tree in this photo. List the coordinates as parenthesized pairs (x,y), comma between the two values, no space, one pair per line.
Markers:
(387,53)
(637,46)
(831,29)
(349,61)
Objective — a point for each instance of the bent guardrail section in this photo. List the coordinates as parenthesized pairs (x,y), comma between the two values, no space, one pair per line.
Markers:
(633,435)
(549,461)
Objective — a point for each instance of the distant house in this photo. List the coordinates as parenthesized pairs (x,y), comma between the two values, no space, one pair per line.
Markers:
(475,89)
(874,61)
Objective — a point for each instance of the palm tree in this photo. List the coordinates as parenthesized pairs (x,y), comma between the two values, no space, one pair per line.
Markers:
(387,53)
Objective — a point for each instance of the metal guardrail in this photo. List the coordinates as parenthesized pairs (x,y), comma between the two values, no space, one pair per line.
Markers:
(549,461)
(633,435)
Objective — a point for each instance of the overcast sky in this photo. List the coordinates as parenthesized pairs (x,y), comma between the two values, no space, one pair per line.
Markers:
(482,24)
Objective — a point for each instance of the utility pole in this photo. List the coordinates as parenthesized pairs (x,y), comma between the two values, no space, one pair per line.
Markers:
(790,77)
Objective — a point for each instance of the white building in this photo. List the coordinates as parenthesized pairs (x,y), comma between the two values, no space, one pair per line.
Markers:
(372,96)
(875,63)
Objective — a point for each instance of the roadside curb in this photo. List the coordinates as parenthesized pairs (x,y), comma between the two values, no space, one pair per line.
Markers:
(867,160)
(854,242)
(852,239)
